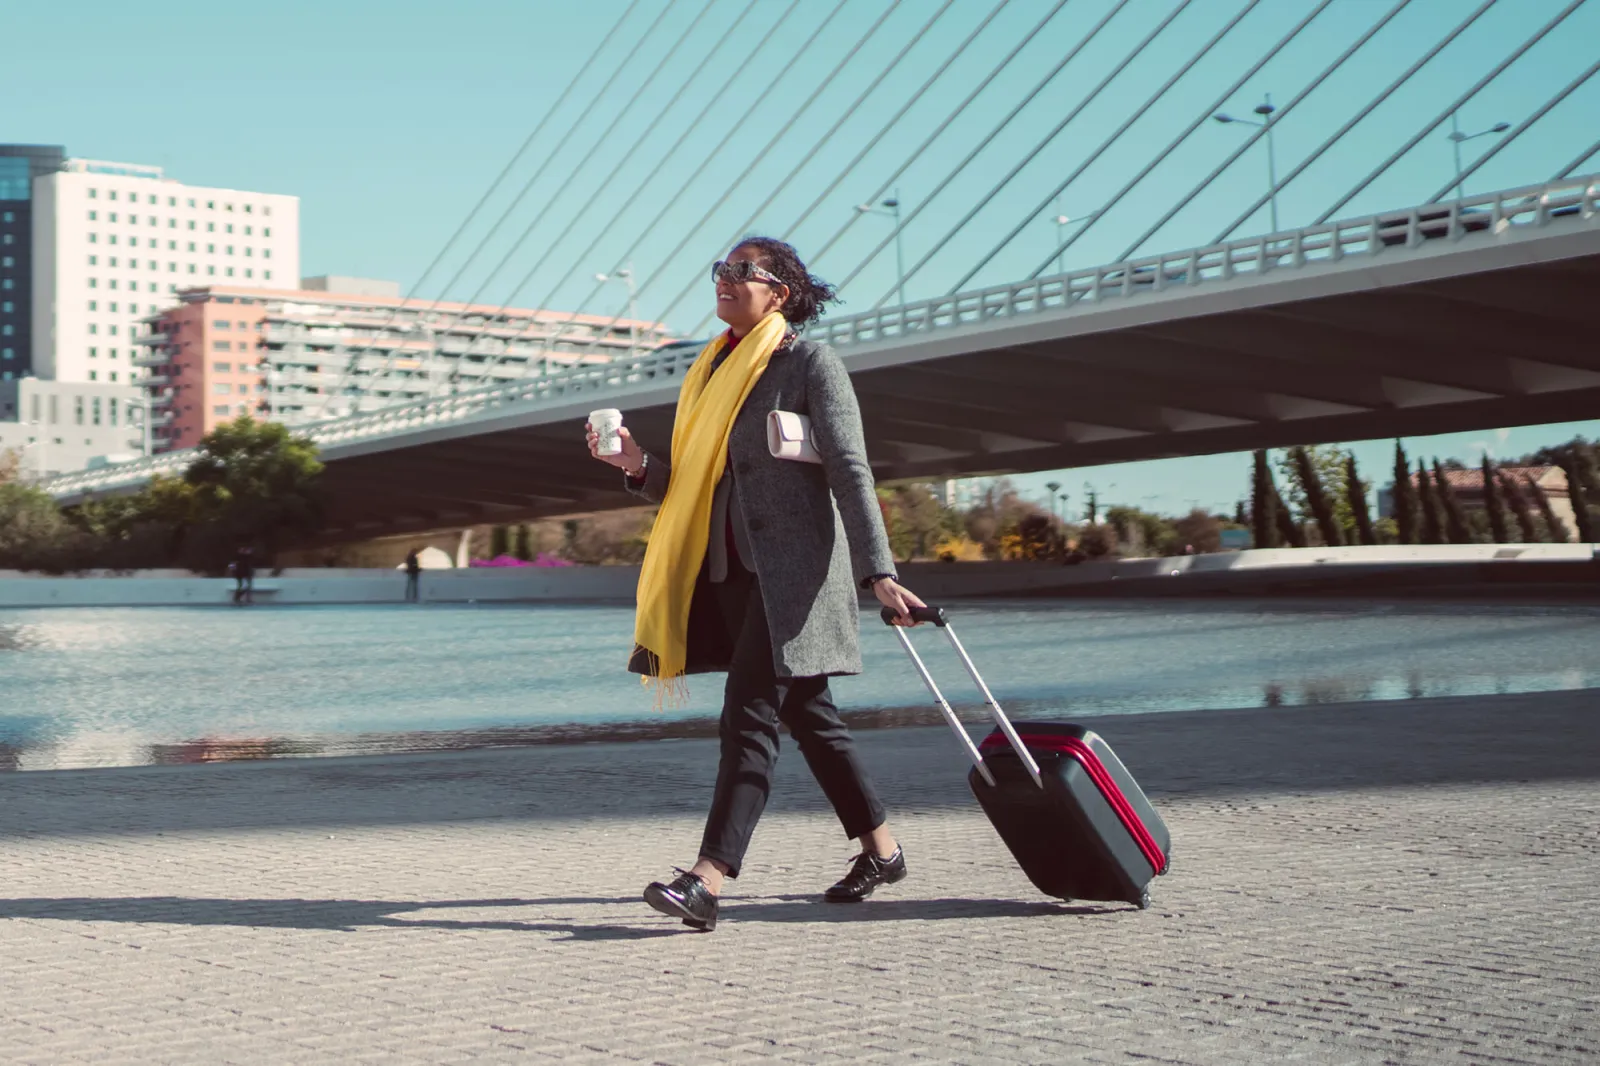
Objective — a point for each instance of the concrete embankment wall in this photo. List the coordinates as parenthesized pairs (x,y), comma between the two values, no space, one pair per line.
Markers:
(1475,569)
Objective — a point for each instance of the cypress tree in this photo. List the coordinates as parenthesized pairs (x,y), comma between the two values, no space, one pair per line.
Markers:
(1431,531)
(1493,504)
(1316,499)
(1288,529)
(1455,522)
(1520,508)
(1580,500)
(1263,515)
(523,548)
(1405,497)
(499,541)
(1357,495)
(1557,528)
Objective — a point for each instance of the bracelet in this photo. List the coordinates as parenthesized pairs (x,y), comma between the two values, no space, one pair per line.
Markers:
(638,475)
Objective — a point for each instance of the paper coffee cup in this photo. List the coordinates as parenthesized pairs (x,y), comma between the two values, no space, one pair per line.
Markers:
(606,422)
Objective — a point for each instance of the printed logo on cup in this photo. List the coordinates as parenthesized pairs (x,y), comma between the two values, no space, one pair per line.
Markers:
(606,422)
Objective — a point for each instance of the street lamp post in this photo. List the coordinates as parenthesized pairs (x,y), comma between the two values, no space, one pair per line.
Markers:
(1055,516)
(1265,109)
(893,206)
(1457,139)
(626,275)
(1062,221)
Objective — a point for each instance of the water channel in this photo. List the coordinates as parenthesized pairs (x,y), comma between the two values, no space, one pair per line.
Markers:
(119,687)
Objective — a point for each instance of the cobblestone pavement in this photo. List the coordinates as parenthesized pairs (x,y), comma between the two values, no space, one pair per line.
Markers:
(1377,883)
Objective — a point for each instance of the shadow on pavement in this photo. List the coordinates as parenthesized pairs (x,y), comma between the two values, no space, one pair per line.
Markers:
(350,915)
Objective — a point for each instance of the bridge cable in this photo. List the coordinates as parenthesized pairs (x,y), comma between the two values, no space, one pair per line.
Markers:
(939,129)
(1583,158)
(772,142)
(716,154)
(694,124)
(1339,134)
(1463,98)
(844,117)
(1172,145)
(994,132)
(538,173)
(894,119)
(1044,142)
(1520,129)
(1089,160)
(595,196)
(667,56)
(1250,141)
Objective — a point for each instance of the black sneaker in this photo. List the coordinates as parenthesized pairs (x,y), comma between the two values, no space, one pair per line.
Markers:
(867,874)
(685,897)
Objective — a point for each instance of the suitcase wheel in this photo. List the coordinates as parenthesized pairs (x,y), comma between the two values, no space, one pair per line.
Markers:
(1144,900)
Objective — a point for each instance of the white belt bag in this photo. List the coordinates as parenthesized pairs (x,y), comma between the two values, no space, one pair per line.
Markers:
(789,437)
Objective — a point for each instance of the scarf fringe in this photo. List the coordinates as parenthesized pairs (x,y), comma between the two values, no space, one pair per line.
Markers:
(667,693)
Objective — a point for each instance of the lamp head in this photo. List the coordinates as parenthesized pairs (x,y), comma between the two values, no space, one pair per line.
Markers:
(1263,109)
(1499,127)
(863,208)
(892,203)
(1220,117)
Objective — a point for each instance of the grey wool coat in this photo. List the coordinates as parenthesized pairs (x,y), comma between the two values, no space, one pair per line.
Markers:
(814,532)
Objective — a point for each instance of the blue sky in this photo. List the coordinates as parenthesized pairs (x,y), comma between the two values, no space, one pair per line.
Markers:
(390,121)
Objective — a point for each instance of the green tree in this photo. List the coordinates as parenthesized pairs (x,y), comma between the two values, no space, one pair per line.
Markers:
(522,547)
(1455,521)
(1556,527)
(1428,504)
(1519,508)
(1356,497)
(1577,494)
(30,525)
(254,483)
(499,541)
(1494,506)
(1327,461)
(1405,497)
(1290,532)
(1309,485)
(1263,503)
(1141,531)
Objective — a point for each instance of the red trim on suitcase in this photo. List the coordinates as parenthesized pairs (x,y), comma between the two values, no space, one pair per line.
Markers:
(1102,778)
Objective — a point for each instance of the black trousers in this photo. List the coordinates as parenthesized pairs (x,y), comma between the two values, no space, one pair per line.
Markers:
(754,702)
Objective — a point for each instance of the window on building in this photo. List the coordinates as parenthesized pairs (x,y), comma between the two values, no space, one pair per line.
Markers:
(191,204)
(8,353)
(77,408)
(112,194)
(94,327)
(220,409)
(222,323)
(211,271)
(191,226)
(267,232)
(221,346)
(267,274)
(191,268)
(191,246)
(111,410)
(92,217)
(94,375)
(92,283)
(112,216)
(93,352)
(94,238)
(211,205)
(94,260)
(7,261)
(112,330)
(230,272)
(91,305)
(7,330)
(211,249)
(249,273)
(244,390)
(222,368)
(95,412)
(113,375)
(93,193)
(222,388)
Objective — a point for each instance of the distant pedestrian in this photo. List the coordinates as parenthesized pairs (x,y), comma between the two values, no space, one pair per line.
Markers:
(413,575)
(755,564)
(244,575)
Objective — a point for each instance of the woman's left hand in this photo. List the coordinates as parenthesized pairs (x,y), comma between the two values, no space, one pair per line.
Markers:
(892,594)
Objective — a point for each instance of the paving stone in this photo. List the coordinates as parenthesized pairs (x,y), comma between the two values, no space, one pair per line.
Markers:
(1380,883)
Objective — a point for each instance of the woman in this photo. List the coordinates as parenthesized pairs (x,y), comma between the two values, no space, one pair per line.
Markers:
(754,564)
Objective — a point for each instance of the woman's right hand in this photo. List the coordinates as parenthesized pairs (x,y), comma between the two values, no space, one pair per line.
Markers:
(628,460)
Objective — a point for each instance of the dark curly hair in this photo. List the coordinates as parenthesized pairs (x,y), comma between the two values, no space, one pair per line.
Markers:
(808,294)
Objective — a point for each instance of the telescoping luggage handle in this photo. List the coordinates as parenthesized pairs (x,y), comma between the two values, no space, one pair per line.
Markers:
(937,617)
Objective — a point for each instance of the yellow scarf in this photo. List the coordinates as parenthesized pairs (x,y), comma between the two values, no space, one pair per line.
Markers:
(682,530)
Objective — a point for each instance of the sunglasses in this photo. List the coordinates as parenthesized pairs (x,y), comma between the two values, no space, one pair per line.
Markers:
(742,270)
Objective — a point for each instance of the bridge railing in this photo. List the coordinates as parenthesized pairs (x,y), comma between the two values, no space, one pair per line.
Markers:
(1534,205)
(1489,213)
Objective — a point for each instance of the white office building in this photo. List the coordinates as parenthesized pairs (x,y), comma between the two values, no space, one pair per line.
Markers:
(113,243)
(56,427)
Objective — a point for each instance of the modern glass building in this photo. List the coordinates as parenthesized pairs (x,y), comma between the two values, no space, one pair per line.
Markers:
(19,165)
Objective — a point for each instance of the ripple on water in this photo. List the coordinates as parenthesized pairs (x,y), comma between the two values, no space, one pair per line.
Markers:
(93,687)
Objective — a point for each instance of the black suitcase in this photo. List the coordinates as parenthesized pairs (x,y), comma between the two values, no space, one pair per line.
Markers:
(1076,821)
